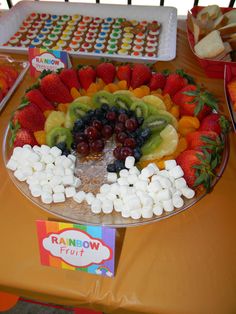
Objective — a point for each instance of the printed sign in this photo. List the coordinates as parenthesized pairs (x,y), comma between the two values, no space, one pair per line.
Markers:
(77,247)
(42,59)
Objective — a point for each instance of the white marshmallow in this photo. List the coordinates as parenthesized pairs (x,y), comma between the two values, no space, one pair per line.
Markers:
(46,198)
(55,151)
(143,178)
(147,212)
(154,186)
(135,214)
(47,188)
(56,180)
(79,197)
(147,172)
(111,177)
(67,163)
(96,206)
(31,180)
(154,166)
(38,166)
(129,162)
(105,188)
(134,170)
(178,202)
(107,206)
(49,175)
(118,205)
(157,209)
(132,203)
(122,181)
(168,205)
(176,172)
(68,172)
(59,160)
(20,175)
(68,180)
(89,197)
(125,213)
(33,157)
(50,167)
(115,188)
(12,164)
(45,150)
(180,183)
(77,182)
(58,197)
(164,173)
(164,195)
(72,158)
(58,188)
(188,193)
(27,146)
(70,191)
(59,170)
(165,182)
(27,171)
(111,196)
(37,149)
(170,164)
(132,179)
(101,197)
(141,185)
(36,191)
(17,153)
(147,201)
(124,173)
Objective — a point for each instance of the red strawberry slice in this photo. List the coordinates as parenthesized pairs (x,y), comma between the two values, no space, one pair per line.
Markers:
(141,75)
(23,137)
(54,89)
(200,140)
(87,75)
(29,116)
(158,80)
(106,71)
(35,96)
(124,73)
(174,83)
(215,122)
(69,78)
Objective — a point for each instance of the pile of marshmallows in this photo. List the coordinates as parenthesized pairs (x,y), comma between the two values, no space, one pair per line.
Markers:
(133,193)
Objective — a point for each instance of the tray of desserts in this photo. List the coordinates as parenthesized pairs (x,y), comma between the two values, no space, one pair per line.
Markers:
(11,73)
(92,30)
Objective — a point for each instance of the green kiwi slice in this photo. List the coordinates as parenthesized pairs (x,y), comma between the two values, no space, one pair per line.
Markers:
(102,98)
(156,122)
(140,108)
(58,135)
(151,144)
(122,101)
(75,111)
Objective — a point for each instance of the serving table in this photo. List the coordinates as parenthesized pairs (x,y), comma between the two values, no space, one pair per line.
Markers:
(184,264)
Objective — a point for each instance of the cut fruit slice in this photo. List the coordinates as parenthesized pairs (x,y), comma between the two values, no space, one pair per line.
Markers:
(58,135)
(152,144)
(156,122)
(84,100)
(55,118)
(75,111)
(102,98)
(125,92)
(154,101)
(173,120)
(140,108)
(168,145)
(122,101)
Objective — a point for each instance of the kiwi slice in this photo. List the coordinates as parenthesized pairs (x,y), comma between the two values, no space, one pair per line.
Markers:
(154,101)
(58,135)
(151,144)
(103,98)
(173,120)
(84,100)
(75,111)
(140,108)
(122,101)
(156,122)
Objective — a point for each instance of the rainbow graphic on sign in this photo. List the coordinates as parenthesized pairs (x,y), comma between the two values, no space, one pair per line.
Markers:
(71,246)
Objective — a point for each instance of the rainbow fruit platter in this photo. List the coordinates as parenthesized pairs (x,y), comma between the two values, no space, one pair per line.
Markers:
(116,144)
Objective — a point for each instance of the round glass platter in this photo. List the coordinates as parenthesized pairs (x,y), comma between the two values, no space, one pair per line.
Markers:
(92,172)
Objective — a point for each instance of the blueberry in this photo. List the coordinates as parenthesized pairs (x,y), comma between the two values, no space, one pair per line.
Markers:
(131,114)
(145,133)
(119,164)
(90,113)
(105,107)
(78,125)
(114,109)
(121,110)
(61,146)
(140,141)
(73,145)
(137,153)
(65,152)
(111,168)
(86,119)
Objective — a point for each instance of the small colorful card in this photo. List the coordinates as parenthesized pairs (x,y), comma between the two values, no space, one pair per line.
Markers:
(89,249)
(42,59)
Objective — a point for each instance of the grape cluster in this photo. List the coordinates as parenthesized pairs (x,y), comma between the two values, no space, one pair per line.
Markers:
(97,126)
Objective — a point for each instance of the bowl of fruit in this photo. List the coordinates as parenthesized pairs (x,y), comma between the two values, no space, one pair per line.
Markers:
(116,145)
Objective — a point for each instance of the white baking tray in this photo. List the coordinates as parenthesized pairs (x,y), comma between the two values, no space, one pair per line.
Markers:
(167,16)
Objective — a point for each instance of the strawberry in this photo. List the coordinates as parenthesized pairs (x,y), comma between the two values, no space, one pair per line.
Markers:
(69,78)
(124,73)
(29,116)
(23,137)
(54,89)
(198,168)
(87,75)
(106,71)
(215,122)
(158,80)
(10,73)
(35,96)
(200,140)
(141,75)
(174,82)
(194,102)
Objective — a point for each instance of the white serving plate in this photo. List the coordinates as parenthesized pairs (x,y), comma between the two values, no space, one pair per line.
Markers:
(167,16)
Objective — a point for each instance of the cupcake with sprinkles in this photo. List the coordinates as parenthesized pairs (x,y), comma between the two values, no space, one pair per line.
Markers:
(54,17)
(52,37)
(36,42)
(74,45)
(48,43)
(44,16)
(99,47)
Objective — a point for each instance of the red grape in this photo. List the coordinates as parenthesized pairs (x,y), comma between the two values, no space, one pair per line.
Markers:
(97,124)
(107,131)
(122,117)
(131,124)
(111,116)
(83,148)
(91,132)
(130,142)
(97,146)
(125,152)
(120,137)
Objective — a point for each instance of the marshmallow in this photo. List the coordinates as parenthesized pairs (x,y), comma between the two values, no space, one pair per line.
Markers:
(58,188)
(147,172)
(154,186)
(176,172)
(48,159)
(124,173)
(46,198)
(115,188)
(68,172)
(118,205)
(47,188)
(45,150)
(79,197)
(135,214)
(70,191)
(111,177)
(141,185)
(36,191)
(89,197)
(129,162)
(169,164)
(68,180)
(67,163)
(58,197)
(56,180)
(125,213)
(178,202)
(165,182)
(132,179)
(38,166)
(59,171)
(154,166)
(188,193)
(147,212)
(55,151)
(111,196)
(77,182)
(105,188)
(72,158)
(96,206)
(180,183)
(168,205)
(107,206)
(20,175)
(122,181)
(158,209)
(12,164)
(164,195)
(147,201)
(134,170)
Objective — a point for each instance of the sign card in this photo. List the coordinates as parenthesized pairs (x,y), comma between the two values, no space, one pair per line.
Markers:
(42,59)
(77,247)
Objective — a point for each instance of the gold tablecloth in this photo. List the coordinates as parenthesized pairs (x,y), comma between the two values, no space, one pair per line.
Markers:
(182,265)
